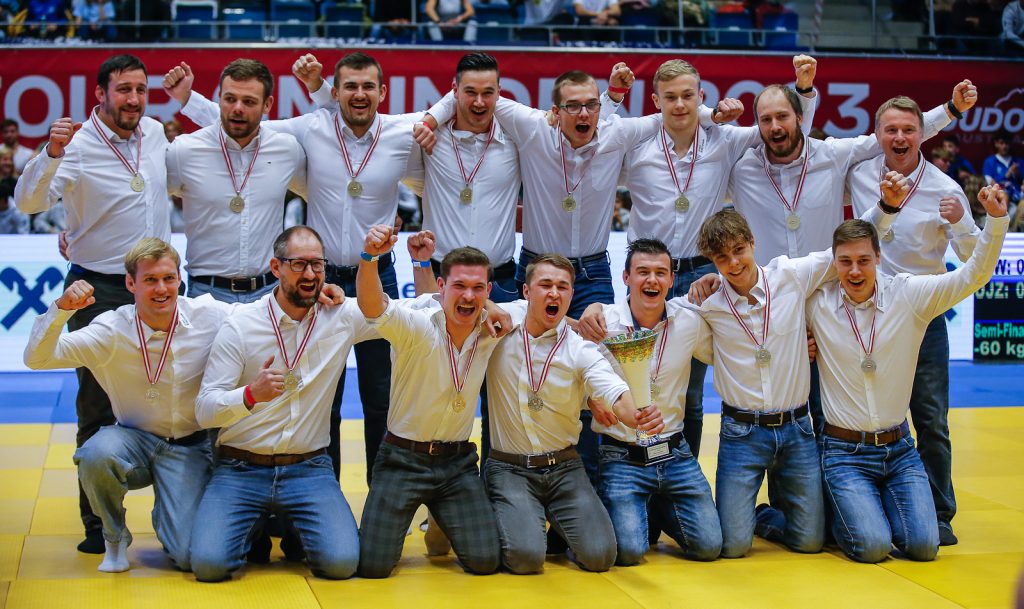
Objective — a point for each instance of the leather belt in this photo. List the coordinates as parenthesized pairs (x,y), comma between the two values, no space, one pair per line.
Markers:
(190,440)
(502,272)
(764,419)
(86,273)
(434,449)
(230,452)
(536,461)
(873,438)
(337,274)
(636,453)
(577,263)
(686,265)
(236,284)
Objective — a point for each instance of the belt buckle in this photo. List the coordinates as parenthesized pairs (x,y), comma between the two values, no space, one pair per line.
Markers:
(875,439)
(782,419)
(430,449)
(240,280)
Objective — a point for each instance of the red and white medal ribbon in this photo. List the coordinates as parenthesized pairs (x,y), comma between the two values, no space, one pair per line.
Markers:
(124,161)
(231,167)
(458,157)
(799,185)
(671,165)
(535,386)
(767,314)
(453,361)
(870,348)
(280,339)
(344,149)
(565,170)
(916,180)
(151,376)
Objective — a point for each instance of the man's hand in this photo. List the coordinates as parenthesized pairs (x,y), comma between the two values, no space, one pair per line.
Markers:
(703,288)
(61,132)
(994,199)
(950,209)
(380,240)
(812,346)
(645,419)
(421,245)
(894,187)
(591,325)
(77,296)
(601,413)
(965,95)
(307,69)
(424,136)
(331,295)
(621,77)
(727,111)
(804,67)
(178,82)
(499,322)
(269,382)
(62,245)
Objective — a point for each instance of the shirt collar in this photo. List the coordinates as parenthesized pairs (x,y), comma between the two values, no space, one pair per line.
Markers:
(233,145)
(552,332)
(878,299)
(439,319)
(757,291)
(626,314)
(808,150)
(183,320)
(280,316)
(499,135)
(346,130)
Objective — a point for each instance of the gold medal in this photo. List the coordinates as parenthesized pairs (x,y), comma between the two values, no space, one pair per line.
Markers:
(887,237)
(152,394)
(137,183)
(355,188)
(682,203)
(459,404)
(466,194)
(792,221)
(534,403)
(569,204)
(237,204)
(291,382)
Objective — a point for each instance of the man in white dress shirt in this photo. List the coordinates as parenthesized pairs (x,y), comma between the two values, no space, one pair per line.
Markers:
(113,181)
(869,324)
(934,215)
(20,155)
(664,478)
(156,439)
(232,178)
(271,373)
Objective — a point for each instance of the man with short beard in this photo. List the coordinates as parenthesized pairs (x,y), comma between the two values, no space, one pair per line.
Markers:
(113,181)
(19,154)
(935,214)
(232,178)
(267,387)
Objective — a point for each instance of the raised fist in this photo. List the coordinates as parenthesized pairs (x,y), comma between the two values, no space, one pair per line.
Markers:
(61,132)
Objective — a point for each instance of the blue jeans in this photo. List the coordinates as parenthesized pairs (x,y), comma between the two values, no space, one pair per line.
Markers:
(593,284)
(118,459)
(675,490)
(929,411)
(197,289)
(789,455)
(241,495)
(524,498)
(693,417)
(880,498)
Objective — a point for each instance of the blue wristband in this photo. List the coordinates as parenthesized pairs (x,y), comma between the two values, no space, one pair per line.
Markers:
(368,257)
(421,263)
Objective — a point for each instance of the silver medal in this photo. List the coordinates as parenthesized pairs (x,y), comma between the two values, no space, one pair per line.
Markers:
(466,194)
(682,203)
(355,188)
(535,403)
(569,204)
(762,356)
(138,183)
(868,364)
(152,393)
(793,221)
(887,237)
(291,382)
(237,204)
(459,404)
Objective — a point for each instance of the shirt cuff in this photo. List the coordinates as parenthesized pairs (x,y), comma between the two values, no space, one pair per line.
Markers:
(997,226)
(322,96)
(234,401)
(965,226)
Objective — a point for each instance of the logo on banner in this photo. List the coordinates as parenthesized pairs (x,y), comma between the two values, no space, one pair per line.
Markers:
(29,298)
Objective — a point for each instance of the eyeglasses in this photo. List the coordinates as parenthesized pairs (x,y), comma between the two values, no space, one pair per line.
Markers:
(298,265)
(576,107)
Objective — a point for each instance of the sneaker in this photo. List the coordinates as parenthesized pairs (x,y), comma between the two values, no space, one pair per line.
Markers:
(291,545)
(946,535)
(93,543)
(259,553)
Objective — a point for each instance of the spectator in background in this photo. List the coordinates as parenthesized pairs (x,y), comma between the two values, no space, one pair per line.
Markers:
(818,134)
(972,186)
(48,18)
(396,14)
(93,17)
(942,159)
(50,222)
(7,165)
(444,14)
(960,167)
(546,12)
(620,214)
(598,13)
(21,154)
(1013,26)
(12,221)
(1003,168)
(978,21)
(172,129)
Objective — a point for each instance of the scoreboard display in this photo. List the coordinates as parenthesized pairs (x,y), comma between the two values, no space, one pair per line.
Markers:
(999,307)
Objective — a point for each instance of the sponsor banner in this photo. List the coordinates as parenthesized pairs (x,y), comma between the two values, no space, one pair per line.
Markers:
(32,276)
(40,85)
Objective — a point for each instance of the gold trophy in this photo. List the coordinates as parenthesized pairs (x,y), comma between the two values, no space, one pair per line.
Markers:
(634,351)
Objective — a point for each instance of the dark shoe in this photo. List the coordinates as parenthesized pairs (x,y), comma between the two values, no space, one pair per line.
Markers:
(946,536)
(291,545)
(556,544)
(259,553)
(93,543)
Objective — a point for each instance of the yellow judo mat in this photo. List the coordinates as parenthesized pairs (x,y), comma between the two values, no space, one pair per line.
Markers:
(39,567)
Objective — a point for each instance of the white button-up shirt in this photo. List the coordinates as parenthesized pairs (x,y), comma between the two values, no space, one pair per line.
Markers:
(105,217)
(785,382)
(577,370)
(903,306)
(488,222)
(645,173)
(423,391)
(920,235)
(295,421)
(342,219)
(685,335)
(109,347)
(547,227)
(820,207)
(220,241)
